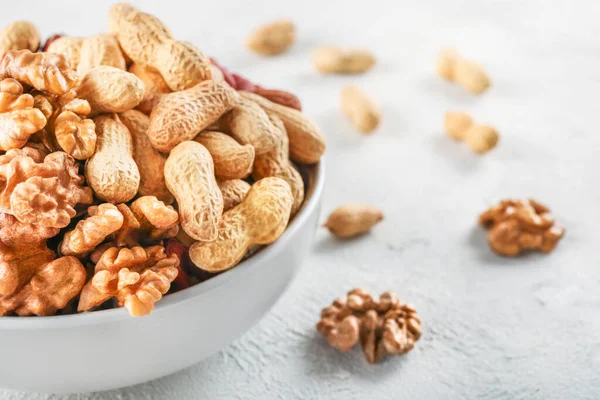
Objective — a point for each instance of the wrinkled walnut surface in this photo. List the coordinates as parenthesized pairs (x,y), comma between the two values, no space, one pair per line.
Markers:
(517,225)
(382,326)
(137,277)
(43,193)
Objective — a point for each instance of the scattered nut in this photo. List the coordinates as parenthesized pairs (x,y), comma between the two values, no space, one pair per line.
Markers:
(272,39)
(384,326)
(457,123)
(519,225)
(480,138)
(332,60)
(470,75)
(351,220)
(360,109)
(260,219)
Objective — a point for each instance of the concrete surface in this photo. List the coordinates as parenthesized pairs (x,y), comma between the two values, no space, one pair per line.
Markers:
(494,328)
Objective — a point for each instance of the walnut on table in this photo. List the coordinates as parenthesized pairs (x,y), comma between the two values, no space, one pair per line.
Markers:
(383,326)
(516,225)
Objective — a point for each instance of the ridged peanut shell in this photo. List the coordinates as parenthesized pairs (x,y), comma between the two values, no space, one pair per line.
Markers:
(351,220)
(481,138)
(150,162)
(99,50)
(69,47)
(180,116)
(181,64)
(259,220)
(332,60)
(307,142)
(111,171)
(456,123)
(360,109)
(249,124)
(190,177)
(111,90)
(231,159)
(234,191)
(138,33)
(471,76)
(19,35)
(154,86)
(276,163)
(272,39)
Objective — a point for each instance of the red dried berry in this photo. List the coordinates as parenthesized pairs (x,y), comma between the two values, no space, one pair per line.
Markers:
(238,82)
(172,246)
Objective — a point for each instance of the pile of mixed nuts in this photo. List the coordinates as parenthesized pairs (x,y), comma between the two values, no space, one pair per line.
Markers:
(132,165)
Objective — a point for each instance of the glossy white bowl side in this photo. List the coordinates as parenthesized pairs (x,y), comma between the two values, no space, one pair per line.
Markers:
(109,349)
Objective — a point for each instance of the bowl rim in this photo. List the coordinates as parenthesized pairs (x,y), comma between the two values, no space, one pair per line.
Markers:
(203,288)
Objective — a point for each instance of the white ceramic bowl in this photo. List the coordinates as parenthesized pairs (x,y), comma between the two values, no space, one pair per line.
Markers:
(109,349)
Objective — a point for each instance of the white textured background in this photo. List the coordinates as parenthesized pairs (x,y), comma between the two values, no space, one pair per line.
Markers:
(494,328)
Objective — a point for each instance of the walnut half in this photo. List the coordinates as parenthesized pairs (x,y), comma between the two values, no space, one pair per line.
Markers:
(518,225)
(383,326)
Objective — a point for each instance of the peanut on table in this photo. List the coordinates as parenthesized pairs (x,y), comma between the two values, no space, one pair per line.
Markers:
(177,153)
